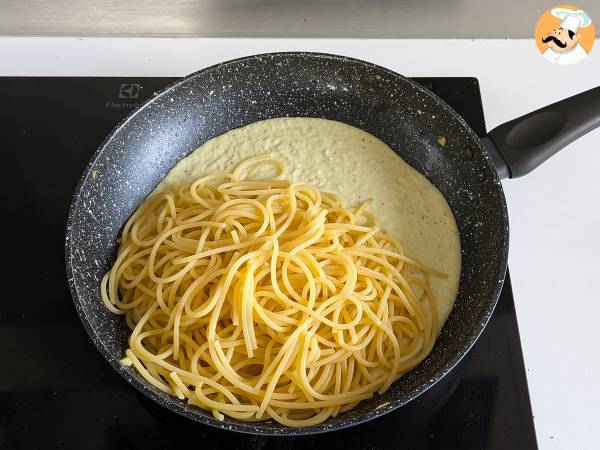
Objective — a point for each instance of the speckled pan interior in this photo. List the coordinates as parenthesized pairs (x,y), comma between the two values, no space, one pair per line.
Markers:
(410,119)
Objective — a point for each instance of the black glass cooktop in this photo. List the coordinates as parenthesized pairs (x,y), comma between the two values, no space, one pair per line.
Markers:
(56,390)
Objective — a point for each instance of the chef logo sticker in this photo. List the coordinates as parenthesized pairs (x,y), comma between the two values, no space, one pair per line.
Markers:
(564,34)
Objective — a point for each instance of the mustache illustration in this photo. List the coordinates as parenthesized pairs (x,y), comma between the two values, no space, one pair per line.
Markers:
(556,41)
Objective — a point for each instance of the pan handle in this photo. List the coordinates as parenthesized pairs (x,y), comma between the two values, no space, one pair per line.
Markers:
(519,146)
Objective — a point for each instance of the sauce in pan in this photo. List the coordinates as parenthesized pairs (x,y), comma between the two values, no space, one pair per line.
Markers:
(345,160)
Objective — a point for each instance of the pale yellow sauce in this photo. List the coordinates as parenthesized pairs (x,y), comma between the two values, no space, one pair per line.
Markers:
(350,162)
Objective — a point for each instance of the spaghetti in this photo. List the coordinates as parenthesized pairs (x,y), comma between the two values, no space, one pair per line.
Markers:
(258,298)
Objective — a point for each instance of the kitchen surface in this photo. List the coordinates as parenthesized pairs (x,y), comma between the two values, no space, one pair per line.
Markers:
(465,19)
(554,212)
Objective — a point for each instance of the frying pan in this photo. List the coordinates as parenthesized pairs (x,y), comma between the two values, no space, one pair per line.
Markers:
(409,118)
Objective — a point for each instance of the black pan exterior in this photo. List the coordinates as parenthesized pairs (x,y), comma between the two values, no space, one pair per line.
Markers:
(410,119)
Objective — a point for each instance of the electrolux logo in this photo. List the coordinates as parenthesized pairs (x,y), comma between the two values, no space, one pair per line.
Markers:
(129,91)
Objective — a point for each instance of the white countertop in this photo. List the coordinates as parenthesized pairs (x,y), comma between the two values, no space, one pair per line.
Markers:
(554,212)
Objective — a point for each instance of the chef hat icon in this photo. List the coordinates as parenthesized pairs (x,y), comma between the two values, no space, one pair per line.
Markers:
(571,20)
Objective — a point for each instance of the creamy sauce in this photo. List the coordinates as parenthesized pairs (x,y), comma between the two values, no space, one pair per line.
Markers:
(352,163)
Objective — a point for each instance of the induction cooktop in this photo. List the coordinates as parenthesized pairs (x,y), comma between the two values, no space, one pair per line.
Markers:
(56,390)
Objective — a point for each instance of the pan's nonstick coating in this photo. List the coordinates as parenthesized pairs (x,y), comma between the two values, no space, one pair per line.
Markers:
(410,119)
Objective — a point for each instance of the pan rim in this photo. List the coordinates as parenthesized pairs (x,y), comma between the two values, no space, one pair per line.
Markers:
(248,427)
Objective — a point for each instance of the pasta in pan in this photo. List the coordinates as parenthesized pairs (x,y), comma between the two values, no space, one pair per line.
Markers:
(267,299)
